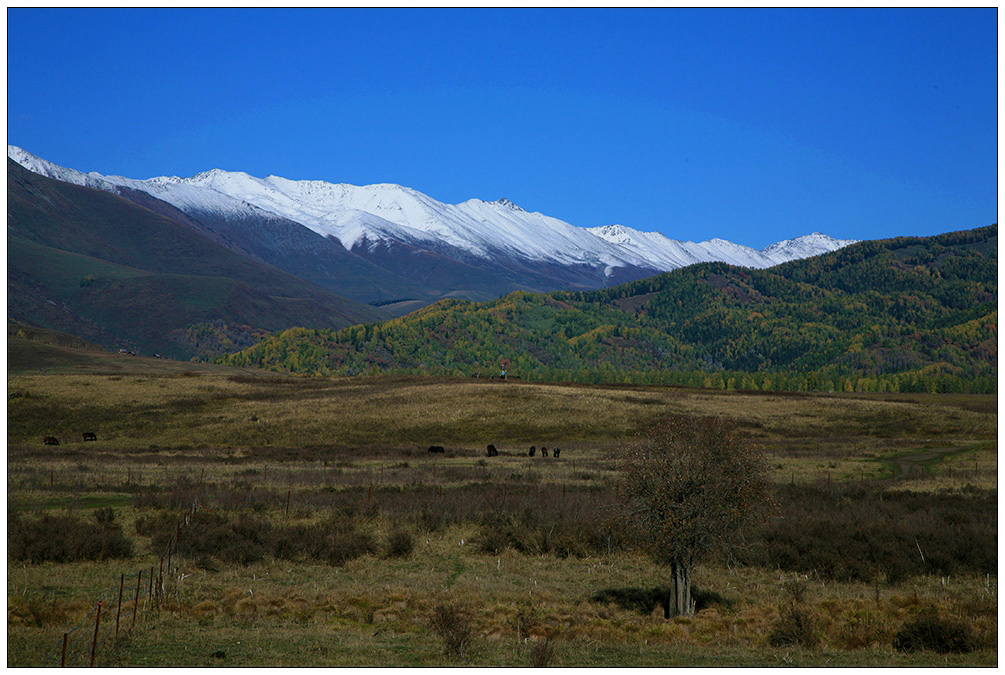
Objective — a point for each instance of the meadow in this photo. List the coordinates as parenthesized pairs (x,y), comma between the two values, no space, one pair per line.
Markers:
(327,535)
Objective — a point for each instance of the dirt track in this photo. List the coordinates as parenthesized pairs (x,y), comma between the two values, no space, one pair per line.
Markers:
(910,466)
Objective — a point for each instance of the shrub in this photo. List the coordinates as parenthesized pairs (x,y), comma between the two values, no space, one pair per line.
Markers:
(453,628)
(542,654)
(794,627)
(105,516)
(939,634)
(399,544)
(66,539)
(795,623)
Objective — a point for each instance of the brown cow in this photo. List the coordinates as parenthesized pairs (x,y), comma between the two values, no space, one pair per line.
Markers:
(544,451)
(50,440)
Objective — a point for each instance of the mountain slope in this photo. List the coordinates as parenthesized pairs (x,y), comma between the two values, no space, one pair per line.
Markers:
(98,266)
(250,231)
(475,249)
(896,315)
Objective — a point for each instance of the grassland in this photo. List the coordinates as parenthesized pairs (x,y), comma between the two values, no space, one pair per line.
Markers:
(521,547)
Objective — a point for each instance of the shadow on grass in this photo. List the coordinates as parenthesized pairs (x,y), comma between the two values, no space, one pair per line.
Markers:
(645,600)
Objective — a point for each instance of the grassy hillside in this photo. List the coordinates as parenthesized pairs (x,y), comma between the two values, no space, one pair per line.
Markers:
(98,266)
(909,314)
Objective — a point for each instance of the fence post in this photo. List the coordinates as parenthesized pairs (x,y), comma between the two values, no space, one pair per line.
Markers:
(62,659)
(160,582)
(118,608)
(288,502)
(150,591)
(94,642)
(136,601)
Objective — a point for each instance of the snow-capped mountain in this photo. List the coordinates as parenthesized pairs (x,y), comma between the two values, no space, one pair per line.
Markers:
(410,233)
(667,254)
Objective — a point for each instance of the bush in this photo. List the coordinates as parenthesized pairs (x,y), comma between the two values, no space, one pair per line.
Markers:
(453,628)
(66,539)
(939,634)
(794,627)
(795,623)
(857,532)
(542,654)
(399,544)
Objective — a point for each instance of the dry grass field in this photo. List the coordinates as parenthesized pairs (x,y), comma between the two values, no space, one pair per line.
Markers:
(327,534)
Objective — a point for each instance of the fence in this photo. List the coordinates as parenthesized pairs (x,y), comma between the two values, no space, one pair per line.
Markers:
(119,608)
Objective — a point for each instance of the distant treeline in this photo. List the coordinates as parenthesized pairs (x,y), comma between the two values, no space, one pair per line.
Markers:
(900,315)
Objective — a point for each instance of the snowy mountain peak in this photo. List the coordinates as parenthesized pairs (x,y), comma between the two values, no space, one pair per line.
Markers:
(508,204)
(368,216)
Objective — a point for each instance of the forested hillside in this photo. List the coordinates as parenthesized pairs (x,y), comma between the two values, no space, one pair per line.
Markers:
(907,314)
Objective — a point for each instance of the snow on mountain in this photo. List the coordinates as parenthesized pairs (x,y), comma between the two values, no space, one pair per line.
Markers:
(806,246)
(667,254)
(386,211)
(366,216)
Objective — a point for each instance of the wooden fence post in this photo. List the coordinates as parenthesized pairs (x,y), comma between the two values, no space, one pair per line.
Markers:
(288,502)
(136,601)
(94,642)
(118,608)
(150,591)
(62,659)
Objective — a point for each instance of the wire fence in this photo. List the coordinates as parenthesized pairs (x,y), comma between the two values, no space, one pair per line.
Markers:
(116,613)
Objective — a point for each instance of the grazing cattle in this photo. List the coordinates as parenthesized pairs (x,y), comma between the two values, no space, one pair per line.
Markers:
(533,449)
(90,436)
(436,448)
(554,453)
(50,440)
(491,451)
(544,451)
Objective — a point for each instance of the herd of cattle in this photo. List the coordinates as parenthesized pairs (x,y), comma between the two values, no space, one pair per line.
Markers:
(490,451)
(52,440)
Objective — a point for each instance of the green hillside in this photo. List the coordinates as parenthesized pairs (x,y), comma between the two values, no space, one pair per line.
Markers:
(98,266)
(905,314)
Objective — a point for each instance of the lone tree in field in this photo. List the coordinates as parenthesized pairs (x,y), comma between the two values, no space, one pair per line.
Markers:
(687,490)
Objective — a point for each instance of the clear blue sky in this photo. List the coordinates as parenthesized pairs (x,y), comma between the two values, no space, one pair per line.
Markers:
(751,125)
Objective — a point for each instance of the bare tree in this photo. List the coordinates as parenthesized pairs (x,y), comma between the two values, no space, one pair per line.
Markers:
(687,490)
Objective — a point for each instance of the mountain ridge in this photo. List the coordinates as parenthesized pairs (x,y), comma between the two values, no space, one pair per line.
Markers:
(99,266)
(389,225)
(898,315)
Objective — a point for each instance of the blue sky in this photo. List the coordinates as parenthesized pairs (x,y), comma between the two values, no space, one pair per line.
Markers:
(751,125)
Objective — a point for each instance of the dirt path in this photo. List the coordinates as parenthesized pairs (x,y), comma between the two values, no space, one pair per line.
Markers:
(910,466)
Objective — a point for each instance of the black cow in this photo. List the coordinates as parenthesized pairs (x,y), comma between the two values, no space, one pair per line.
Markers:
(90,436)
(491,451)
(533,449)
(436,448)
(50,440)
(544,451)
(554,453)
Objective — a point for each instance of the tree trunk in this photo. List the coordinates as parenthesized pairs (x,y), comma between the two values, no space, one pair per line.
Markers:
(678,601)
